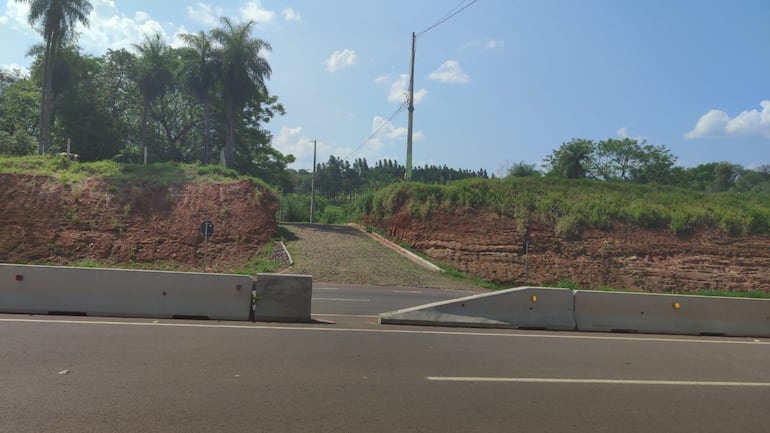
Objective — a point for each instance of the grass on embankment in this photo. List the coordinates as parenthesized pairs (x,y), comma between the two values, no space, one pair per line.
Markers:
(573,205)
(160,174)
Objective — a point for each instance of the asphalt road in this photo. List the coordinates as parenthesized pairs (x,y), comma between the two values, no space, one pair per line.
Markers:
(67,374)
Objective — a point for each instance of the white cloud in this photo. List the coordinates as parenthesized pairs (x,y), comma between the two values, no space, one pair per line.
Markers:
(205,14)
(382,128)
(253,11)
(449,72)
(399,91)
(16,70)
(717,123)
(109,28)
(290,14)
(340,60)
(382,78)
(486,45)
(15,15)
(291,141)
(623,133)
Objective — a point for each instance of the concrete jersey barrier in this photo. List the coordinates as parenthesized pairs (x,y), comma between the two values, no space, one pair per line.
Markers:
(126,293)
(671,314)
(525,307)
(283,298)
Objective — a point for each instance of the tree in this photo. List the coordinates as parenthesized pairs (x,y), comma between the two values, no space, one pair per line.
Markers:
(200,79)
(627,160)
(242,72)
(572,160)
(56,20)
(153,76)
(522,169)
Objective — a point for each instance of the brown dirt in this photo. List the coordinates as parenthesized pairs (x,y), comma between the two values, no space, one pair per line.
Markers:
(45,222)
(491,247)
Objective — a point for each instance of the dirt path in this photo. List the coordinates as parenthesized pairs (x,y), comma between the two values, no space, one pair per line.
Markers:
(345,255)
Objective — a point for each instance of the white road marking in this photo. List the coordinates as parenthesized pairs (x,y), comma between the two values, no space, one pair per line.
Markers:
(598,381)
(359,316)
(410,292)
(502,334)
(331,289)
(341,299)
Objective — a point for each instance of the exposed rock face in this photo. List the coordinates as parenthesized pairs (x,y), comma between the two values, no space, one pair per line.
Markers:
(628,257)
(46,222)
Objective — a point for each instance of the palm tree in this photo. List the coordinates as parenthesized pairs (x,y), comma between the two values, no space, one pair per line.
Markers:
(573,159)
(153,76)
(56,20)
(242,73)
(200,72)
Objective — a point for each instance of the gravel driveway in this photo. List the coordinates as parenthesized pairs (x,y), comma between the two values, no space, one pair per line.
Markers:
(345,255)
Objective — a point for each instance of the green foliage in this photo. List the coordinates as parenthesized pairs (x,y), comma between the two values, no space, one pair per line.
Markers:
(731,293)
(612,160)
(574,205)
(522,169)
(261,262)
(18,144)
(572,160)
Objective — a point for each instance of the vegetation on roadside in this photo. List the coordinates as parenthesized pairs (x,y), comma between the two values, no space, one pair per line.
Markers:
(262,262)
(159,174)
(573,205)
(572,285)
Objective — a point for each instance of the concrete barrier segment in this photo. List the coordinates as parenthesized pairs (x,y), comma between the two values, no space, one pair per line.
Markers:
(671,314)
(523,308)
(123,293)
(282,298)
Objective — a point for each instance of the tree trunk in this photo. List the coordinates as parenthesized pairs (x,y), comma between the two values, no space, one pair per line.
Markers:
(230,142)
(207,131)
(44,139)
(145,109)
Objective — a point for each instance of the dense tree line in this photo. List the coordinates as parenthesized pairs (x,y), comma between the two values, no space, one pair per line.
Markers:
(339,181)
(205,101)
(628,160)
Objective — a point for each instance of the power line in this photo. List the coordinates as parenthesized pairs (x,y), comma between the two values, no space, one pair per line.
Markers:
(377,131)
(454,11)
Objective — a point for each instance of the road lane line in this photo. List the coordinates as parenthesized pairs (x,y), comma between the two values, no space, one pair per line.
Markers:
(409,292)
(325,328)
(331,289)
(597,381)
(359,316)
(341,299)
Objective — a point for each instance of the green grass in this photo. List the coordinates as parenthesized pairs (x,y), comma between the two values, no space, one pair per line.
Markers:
(158,175)
(574,205)
(260,263)
(730,293)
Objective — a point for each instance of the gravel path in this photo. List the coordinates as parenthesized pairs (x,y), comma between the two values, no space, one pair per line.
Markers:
(345,255)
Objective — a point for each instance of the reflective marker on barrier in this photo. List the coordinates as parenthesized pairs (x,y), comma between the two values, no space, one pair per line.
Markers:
(534,298)
(19,277)
(676,305)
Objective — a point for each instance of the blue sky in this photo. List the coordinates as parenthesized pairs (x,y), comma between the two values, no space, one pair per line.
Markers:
(503,81)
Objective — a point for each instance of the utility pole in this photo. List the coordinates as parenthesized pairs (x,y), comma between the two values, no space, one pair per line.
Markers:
(408,175)
(312,186)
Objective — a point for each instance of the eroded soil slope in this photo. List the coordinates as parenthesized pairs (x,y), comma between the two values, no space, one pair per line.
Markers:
(44,221)
(491,247)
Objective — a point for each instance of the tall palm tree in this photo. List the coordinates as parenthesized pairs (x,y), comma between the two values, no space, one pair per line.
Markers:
(242,72)
(200,78)
(55,20)
(153,75)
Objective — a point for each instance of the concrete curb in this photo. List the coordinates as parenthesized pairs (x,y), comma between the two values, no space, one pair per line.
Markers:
(397,248)
(123,293)
(520,308)
(595,311)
